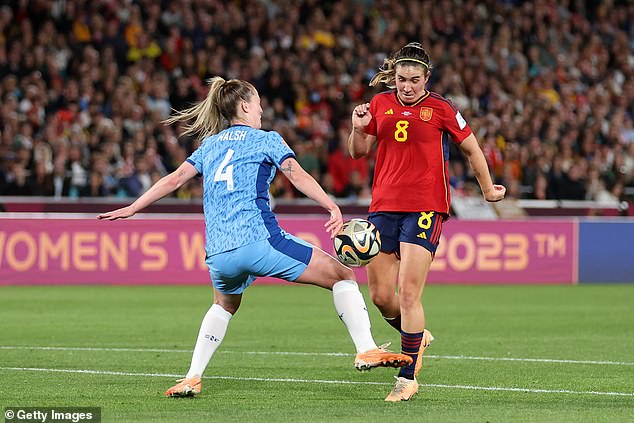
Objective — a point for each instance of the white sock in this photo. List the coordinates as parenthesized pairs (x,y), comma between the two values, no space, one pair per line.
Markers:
(354,314)
(212,331)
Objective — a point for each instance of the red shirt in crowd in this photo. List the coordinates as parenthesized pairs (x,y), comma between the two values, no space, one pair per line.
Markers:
(341,165)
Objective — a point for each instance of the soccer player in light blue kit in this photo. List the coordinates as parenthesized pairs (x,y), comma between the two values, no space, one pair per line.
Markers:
(243,237)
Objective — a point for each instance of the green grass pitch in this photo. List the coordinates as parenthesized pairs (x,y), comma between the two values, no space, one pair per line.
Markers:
(501,354)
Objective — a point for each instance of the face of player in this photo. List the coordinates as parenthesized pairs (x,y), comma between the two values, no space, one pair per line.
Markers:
(410,82)
(254,111)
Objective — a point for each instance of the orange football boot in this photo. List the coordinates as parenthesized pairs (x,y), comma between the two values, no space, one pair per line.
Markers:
(427,338)
(380,357)
(187,387)
(404,390)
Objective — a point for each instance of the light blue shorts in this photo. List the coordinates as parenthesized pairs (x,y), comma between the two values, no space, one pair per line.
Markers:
(282,256)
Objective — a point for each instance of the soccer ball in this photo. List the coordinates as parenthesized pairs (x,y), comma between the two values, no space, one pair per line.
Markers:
(357,243)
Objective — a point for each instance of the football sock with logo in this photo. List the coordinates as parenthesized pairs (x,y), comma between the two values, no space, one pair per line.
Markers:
(395,322)
(353,313)
(410,344)
(212,331)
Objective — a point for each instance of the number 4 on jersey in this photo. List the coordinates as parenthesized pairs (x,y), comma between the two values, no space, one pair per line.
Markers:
(224,172)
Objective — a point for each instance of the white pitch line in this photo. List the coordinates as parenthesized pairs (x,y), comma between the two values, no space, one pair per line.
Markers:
(322,381)
(11,347)
(325,354)
(535,360)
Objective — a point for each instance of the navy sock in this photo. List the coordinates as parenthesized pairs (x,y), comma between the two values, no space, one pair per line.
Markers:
(395,322)
(410,344)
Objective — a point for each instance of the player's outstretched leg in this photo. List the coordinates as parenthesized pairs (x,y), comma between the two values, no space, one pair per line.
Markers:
(354,314)
(327,272)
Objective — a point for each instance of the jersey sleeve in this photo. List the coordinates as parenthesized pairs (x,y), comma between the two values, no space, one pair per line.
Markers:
(276,148)
(454,123)
(196,160)
(371,128)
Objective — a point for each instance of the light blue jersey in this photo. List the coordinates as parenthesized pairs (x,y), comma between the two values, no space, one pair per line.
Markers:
(238,165)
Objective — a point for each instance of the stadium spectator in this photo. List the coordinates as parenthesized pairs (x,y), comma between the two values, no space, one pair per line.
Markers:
(347,173)
(560,82)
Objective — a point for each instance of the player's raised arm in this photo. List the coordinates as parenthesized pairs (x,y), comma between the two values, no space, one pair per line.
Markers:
(164,186)
(309,187)
(360,143)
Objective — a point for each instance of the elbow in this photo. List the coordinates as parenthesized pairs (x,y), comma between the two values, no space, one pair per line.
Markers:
(355,154)
(467,152)
(296,180)
(300,180)
(173,183)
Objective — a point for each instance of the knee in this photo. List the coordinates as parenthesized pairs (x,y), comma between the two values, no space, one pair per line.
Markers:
(341,273)
(381,298)
(345,273)
(409,298)
(409,301)
(232,309)
(336,271)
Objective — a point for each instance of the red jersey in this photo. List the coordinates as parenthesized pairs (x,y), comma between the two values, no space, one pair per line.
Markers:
(411,173)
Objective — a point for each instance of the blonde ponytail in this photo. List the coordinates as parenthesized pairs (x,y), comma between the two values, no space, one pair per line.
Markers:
(220,105)
(206,116)
(386,74)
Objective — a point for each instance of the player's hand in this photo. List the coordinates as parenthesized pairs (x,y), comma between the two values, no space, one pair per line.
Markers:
(495,194)
(361,116)
(121,213)
(335,223)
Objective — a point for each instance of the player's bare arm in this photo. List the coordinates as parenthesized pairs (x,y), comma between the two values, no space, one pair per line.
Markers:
(360,143)
(287,168)
(473,152)
(309,187)
(164,186)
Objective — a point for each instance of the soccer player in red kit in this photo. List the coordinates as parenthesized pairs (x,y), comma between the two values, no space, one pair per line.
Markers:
(410,193)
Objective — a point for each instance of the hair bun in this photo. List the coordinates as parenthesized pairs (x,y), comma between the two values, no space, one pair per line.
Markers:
(415,44)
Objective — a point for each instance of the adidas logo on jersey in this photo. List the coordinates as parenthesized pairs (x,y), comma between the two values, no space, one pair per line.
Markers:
(389,112)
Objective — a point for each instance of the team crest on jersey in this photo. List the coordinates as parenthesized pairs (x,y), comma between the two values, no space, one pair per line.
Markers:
(425,113)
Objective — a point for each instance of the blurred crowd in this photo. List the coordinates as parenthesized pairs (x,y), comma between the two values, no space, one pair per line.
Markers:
(547,87)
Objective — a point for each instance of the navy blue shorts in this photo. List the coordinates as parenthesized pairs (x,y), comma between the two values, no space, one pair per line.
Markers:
(422,229)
